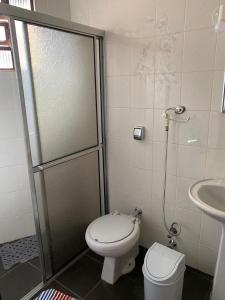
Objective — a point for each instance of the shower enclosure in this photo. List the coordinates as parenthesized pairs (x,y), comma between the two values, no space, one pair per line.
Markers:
(59,68)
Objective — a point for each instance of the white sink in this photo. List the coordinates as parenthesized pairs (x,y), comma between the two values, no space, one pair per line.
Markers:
(209,196)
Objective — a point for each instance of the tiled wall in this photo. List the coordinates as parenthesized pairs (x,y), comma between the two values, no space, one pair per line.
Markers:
(56,8)
(16,213)
(162,53)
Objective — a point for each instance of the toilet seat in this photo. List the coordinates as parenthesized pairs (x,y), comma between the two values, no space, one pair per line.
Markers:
(102,237)
(111,228)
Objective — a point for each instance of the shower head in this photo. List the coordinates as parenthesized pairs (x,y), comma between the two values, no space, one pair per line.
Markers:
(178,110)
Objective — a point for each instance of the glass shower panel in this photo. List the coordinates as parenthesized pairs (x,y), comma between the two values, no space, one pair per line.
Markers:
(72,202)
(62,66)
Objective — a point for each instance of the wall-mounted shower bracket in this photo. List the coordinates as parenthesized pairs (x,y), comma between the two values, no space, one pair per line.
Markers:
(179,109)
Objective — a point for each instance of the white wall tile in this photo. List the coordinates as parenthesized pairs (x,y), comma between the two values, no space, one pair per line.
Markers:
(167,90)
(167,52)
(149,124)
(207,259)
(190,249)
(216,130)
(170,15)
(195,131)
(118,91)
(140,188)
(97,13)
(196,90)
(137,118)
(190,222)
(80,15)
(12,152)
(143,56)
(220,55)
(199,50)
(215,164)
(157,198)
(118,176)
(9,92)
(9,179)
(57,8)
(15,199)
(210,232)
(152,234)
(182,198)
(119,150)
(139,22)
(199,13)
(10,125)
(142,91)
(191,162)
(142,152)
(159,151)
(118,57)
(217,91)
(119,123)
(28,225)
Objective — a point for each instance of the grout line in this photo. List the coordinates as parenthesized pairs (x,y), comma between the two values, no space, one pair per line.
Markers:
(11,270)
(68,289)
(92,289)
(35,267)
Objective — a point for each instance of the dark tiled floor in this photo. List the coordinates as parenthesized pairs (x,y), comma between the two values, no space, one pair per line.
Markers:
(35,262)
(18,281)
(197,285)
(83,280)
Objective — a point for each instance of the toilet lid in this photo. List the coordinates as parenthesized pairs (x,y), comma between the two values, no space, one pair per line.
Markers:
(111,228)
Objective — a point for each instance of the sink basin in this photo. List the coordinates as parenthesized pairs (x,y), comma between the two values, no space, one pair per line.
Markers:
(209,196)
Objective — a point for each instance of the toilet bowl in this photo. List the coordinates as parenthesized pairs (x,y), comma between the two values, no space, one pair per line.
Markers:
(115,236)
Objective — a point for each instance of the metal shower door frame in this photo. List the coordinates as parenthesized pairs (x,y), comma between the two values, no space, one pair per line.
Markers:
(27,17)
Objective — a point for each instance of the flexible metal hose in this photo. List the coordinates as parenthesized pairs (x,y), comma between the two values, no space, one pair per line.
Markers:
(174,229)
(165,181)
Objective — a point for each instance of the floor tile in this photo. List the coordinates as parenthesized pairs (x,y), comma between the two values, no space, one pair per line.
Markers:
(35,262)
(82,276)
(121,290)
(18,282)
(197,285)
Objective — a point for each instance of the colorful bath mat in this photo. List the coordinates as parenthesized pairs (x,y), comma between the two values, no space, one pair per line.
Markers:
(19,251)
(52,294)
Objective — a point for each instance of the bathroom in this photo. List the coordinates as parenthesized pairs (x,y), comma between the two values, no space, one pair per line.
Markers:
(153,55)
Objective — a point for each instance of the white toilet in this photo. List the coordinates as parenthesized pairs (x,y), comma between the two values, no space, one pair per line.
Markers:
(115,236)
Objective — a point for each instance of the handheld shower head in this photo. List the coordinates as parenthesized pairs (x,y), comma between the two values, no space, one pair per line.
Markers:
(178,110)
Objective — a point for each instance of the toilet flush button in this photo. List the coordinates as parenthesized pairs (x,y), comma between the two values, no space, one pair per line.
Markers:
(139,133)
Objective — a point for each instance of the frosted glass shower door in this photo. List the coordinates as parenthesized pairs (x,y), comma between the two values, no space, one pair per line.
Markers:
(72,200)
(63,72)
(61,83)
